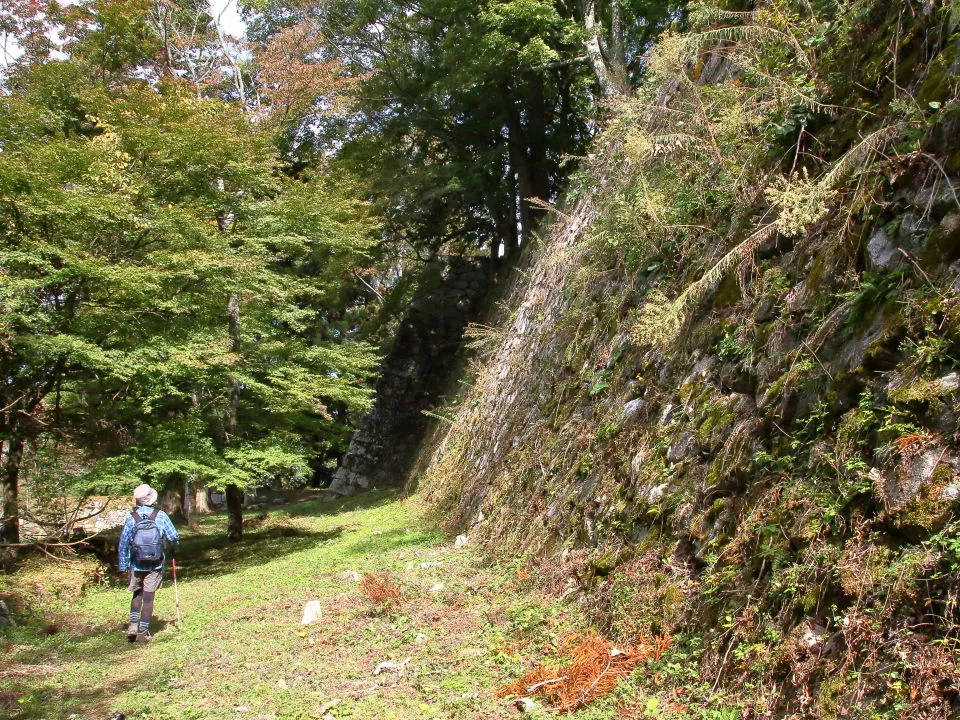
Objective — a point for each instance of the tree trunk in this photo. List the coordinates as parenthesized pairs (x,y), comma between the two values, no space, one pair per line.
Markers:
(505,223)
(616,50)
(519,165)
(594,53)
(172,503)
(234,513)
(189,503)
(11,454)
(537,122)
(495,253)
(234,494)
(202,504)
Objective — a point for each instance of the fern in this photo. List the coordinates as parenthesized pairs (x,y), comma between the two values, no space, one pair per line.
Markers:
(695,292)
(482,338)
(704,15)
(738,34)
(860,156)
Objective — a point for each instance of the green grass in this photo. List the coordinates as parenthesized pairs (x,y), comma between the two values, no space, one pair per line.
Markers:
(240,651)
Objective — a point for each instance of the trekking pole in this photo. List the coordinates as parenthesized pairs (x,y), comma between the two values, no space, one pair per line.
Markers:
(176,590)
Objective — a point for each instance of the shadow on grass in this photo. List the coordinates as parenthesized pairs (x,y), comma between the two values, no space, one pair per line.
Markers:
(209,554)
(367,500)
(42,697)
(33,688)
(206,556)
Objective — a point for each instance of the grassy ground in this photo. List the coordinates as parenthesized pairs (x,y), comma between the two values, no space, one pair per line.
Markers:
(240,651)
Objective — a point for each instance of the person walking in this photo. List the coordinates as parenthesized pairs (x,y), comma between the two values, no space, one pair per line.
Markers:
(141,550)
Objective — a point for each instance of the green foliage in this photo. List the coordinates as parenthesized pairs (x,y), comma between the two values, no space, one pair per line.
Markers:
(875,289)
(465,110)
(130,214)
(730,349)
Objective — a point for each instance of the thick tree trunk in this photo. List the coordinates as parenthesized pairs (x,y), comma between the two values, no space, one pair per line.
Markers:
(616,50)
(512,237)
(520,165)
(202,504)
(505,222)
(172,503)
(537,122)
(495,253)
(528,154)
(234,513)
(189,503)
(11,454)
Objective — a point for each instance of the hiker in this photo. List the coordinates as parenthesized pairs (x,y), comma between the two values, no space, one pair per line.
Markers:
(141,551)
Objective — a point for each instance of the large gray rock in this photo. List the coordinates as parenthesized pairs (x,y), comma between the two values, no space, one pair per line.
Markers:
(631,410)
(901,485)
(882,254)
(948,383)
(683,447)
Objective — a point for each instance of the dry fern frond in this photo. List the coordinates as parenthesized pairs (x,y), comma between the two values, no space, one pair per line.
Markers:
(660,320)
(482,337)
(860,155)
(595,668)
(384,593)
(703,15)
(741,34)
(658,145)
(913,444)
(695,292)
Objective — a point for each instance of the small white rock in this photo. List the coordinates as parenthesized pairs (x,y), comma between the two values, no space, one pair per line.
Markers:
(656,493)
(461,541)
(312,612)
(352,576)
(525,705)
(390,666)
(437,587)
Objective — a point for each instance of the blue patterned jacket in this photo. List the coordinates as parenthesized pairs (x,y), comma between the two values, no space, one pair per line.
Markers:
(167,529)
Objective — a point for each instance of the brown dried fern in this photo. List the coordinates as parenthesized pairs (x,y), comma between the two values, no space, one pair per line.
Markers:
(382,591)
(594,669)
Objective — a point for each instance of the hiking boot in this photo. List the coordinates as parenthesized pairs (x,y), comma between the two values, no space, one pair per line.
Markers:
(144,637)
(132,629)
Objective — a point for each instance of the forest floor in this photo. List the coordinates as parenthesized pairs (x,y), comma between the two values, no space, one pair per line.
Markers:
(463,627)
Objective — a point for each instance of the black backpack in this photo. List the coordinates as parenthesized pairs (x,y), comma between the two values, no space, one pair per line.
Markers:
(147,544)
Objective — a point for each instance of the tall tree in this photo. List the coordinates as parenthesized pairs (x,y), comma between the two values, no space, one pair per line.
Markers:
(139,222)
(468,109)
